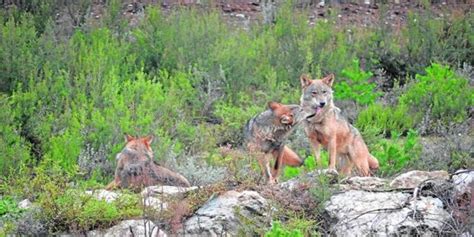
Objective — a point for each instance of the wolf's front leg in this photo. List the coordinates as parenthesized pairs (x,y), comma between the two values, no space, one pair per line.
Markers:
(316,147)
(332,149)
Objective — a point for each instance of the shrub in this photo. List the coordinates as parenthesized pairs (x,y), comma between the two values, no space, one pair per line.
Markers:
(356,87)
(8,206)
(383,120)
(396,154)
(441,94)
(278,231)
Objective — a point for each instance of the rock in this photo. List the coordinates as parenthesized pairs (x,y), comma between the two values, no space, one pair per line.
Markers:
(103,194)
(363,183)
(310,177)
(155,197)
(463,181)
(221,215)
(130,228)
(155,203)
(25,204)
(166,190)
(414,178)
(362,213)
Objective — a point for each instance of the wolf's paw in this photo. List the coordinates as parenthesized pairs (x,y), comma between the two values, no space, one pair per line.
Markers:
(332,172)
(272,181)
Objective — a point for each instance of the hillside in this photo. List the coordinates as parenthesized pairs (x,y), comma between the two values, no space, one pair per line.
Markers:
(75,76)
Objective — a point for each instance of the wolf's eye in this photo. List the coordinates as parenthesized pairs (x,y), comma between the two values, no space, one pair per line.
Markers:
(324,92)
(314,92)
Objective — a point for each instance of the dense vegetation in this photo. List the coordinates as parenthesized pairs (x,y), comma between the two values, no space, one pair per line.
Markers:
(192,80)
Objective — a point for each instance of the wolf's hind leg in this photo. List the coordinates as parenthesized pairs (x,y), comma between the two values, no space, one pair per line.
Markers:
(347,165)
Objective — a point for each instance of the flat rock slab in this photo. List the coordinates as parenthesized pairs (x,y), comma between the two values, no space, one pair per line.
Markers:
(362,213)
(363,183)
(129,228)
(221,216)
(166,190)
(414,178)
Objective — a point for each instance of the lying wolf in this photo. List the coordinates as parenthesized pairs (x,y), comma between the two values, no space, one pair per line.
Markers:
(136,168)
(264,136)
(325,126)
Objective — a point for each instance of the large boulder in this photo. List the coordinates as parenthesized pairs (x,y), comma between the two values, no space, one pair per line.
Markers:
(363,213)
(222,216)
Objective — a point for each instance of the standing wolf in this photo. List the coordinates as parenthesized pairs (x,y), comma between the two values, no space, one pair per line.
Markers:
(136,168)
(325,126)
(264,136)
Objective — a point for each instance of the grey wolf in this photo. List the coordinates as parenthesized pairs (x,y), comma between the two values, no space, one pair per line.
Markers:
(325,127)
(136,168)
(265,134)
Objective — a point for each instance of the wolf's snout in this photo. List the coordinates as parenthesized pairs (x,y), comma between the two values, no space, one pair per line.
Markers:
(322,104)
(285,120)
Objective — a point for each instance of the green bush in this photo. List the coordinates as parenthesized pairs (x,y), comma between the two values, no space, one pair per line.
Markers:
(8,206)
(356,87)
(278,231)
(377,119)
(442,93)
(396,154)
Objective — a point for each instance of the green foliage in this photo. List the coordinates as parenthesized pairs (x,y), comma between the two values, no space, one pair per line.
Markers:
(13,147)
(193,81)
(18,51)
(395,154)
(356,87)
(377,119)
(461,160)
(442,93)
(278,231)
(8,206)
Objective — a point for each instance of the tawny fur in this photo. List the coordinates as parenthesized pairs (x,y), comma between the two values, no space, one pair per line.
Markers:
(136,168)
(265,134)
(325,126)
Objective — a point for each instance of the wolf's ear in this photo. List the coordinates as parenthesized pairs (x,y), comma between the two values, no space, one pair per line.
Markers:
(305,80)
(128,138)
(149,139)
(328,80)
(273,105)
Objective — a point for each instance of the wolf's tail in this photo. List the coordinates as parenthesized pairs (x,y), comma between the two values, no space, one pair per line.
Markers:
(373,162)
(289,157)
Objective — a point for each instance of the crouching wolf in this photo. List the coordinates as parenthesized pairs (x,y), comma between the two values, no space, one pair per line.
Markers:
(136,168)
(264,136)
(325,126)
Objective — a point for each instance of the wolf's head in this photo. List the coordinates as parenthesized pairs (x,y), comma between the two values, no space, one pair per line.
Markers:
(317,94)
(139,147)
(283,114)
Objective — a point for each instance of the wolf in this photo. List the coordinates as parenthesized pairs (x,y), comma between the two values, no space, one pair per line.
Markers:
(325,126)
(265,134)
(136,168)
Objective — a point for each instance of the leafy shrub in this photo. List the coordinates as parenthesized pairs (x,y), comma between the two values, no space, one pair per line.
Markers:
(13,147)
(278,231)
(357,86)
(8,205)
(441,93)
(378,119)
(395,154)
